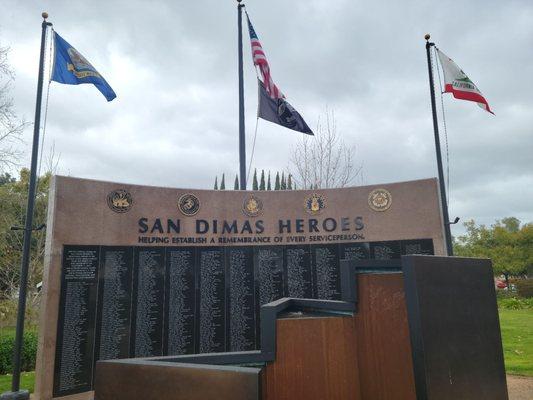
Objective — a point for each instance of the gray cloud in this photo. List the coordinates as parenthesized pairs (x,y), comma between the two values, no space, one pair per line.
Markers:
(174,68)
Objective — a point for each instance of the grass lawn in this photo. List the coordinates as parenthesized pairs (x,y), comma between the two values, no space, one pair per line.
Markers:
(27,381)
(517,337)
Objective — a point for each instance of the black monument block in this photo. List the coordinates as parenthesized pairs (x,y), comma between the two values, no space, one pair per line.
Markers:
(455,330)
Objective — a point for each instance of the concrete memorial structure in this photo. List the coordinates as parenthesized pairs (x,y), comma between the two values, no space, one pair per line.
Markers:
(138,271)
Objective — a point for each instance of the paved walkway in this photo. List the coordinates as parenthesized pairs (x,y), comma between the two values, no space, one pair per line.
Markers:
(520,387)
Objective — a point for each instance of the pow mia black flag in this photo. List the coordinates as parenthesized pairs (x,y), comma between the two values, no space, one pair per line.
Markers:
(280,112)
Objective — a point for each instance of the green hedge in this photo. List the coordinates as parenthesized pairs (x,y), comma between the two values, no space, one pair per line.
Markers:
(29,351)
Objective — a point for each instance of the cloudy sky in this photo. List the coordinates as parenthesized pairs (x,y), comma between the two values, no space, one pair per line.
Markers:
(173,65)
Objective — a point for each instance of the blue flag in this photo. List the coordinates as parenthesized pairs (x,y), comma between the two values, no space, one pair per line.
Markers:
(280,112)
(71,68)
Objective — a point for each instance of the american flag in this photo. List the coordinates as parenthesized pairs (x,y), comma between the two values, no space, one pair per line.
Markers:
(260,60)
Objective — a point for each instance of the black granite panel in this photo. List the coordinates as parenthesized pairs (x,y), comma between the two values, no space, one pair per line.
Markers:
(385,250)
(268,264)
(240,329)
(298,272)
(354,251)
(422,246)
(114,303)
(148,300)
(77,320)
(326,270)
(180,300)
(212,300)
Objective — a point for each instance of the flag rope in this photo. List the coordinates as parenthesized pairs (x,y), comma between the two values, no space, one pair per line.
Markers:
(45,111)
(253,150)
(46,105)
(255,133)
(444,125)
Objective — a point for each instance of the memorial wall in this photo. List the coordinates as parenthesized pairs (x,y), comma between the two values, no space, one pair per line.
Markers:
(139,271)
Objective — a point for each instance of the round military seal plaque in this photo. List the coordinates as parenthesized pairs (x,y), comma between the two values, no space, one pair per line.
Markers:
(252,206)
(188,204)
(119,201)
(315,203)
(380,200)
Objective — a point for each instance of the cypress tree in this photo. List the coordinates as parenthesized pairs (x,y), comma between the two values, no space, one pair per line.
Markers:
(236,185)
(222,183)
(277,184)
(289,182)
(216,183)
(283,183)
(269,186)
(255,185)
(262,184)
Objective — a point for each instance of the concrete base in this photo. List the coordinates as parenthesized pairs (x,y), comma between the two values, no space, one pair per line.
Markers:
(20,395)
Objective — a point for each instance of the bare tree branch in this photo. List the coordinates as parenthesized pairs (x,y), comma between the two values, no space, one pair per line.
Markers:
(324,161)
(11,127)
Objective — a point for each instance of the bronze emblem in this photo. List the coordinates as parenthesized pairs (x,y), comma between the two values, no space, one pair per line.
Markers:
(315,203)
(380,200)
(252,206)
(188,204)
(119,201)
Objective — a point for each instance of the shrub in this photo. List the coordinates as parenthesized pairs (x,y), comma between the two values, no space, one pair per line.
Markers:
(29,351)
(525,288)
(515,303)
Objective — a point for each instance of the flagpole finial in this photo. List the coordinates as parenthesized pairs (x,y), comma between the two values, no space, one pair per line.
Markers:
(427,36)
(44,15)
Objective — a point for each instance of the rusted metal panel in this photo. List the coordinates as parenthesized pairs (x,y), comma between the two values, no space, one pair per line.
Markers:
(148,380)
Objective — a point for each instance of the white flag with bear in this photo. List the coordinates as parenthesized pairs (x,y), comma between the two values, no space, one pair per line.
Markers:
(457,83)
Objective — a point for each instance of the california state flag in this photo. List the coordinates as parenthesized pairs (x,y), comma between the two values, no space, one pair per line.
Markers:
(457,83)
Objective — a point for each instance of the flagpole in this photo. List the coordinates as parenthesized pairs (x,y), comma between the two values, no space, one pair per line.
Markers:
(16,393)
(445,216)
(242,137)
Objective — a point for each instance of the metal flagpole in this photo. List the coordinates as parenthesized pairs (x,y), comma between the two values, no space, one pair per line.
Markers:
(242,137)
(16,393)
(445,216)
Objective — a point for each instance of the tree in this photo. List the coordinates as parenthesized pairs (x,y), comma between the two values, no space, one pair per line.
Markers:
(255,184)
(216,183)
(6,178)
(262,183)
(277,185)
(11,127)
(236,183)
(512,224)
(13,199)
(507,243)
(269,186)
(283,185)
(323,160)
(223,183)
(289,182)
